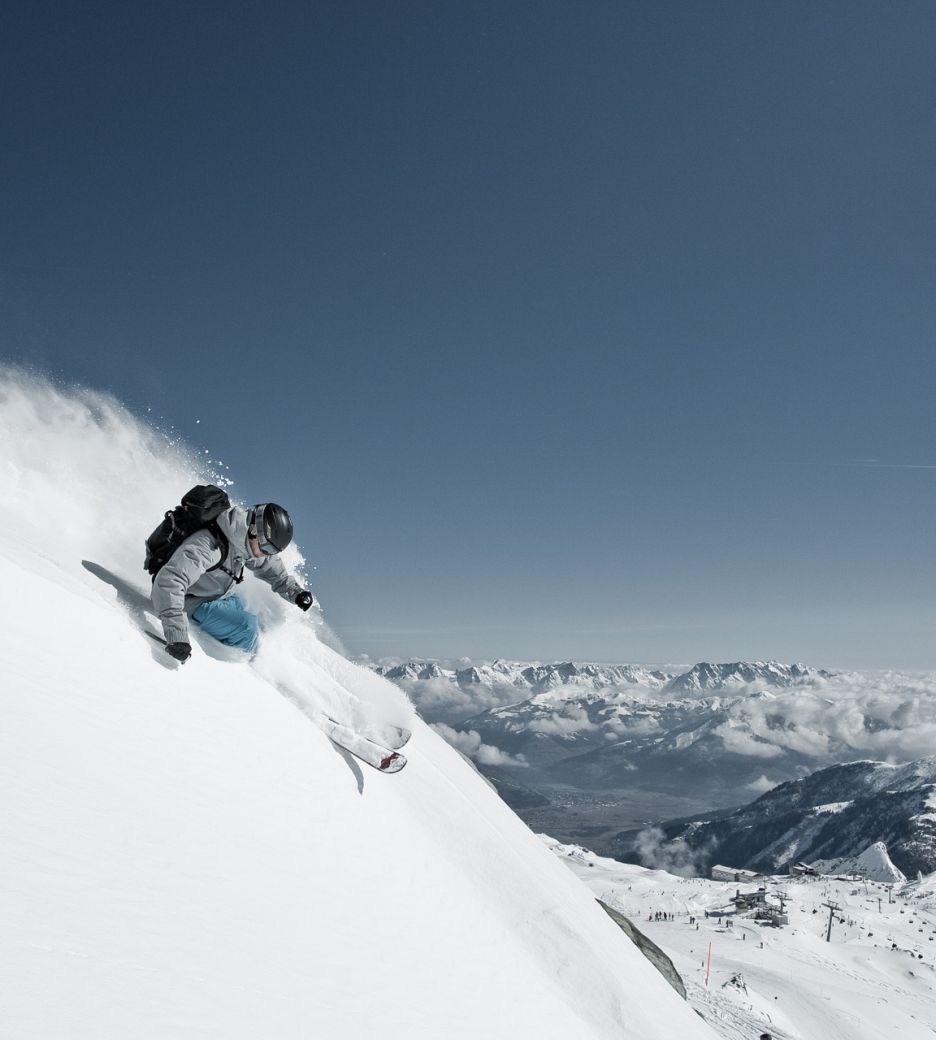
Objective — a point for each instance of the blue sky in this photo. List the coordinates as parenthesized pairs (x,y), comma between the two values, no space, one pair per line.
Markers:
(564,330)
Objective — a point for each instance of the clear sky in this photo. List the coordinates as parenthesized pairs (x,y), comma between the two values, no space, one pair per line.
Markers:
(564,329)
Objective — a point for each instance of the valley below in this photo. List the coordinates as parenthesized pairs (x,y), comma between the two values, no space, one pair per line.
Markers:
(597,818)
(758,761)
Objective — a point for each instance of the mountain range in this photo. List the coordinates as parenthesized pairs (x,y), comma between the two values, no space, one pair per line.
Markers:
(709,731)
(540,678)
(830,816)
(588,752)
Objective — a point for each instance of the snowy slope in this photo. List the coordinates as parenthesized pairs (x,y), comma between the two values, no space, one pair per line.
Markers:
(875,979)
(183,854)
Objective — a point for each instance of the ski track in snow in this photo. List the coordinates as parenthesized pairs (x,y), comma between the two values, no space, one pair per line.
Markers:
(167,820)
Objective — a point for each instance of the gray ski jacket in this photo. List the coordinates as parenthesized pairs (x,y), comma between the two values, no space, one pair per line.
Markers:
(185,582)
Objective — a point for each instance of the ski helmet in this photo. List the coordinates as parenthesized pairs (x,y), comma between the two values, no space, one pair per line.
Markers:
(271,526)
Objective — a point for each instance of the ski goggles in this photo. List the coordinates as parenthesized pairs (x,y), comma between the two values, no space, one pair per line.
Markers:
(266,546)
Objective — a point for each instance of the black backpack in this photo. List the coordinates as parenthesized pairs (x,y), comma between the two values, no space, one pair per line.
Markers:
(200,508)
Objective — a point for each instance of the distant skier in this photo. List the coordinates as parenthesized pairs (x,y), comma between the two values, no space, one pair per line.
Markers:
(196,580)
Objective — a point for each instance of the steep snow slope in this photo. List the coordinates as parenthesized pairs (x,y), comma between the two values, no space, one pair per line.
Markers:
(183,854)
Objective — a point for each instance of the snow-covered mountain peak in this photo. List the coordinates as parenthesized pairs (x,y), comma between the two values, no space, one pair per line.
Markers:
(705,676)
(831,816)
(571,679)
(874,864)
(914,774)
(535,677)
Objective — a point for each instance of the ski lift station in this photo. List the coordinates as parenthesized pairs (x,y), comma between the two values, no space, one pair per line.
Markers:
(720,873)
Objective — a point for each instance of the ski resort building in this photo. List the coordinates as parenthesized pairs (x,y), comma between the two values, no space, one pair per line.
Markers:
(757,905)
(720,873)
(749,900)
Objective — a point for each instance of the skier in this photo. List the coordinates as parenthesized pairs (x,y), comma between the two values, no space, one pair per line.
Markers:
(197,580)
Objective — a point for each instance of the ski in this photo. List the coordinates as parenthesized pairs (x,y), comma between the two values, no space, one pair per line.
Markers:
(383,758)
(393,737)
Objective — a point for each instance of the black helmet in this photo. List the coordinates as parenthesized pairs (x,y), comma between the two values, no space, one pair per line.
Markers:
(271,526)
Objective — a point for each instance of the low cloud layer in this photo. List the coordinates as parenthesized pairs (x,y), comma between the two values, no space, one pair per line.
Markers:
(742,742)
(470,744)
(441,700)
(567,723)
(675,857)
(886,716)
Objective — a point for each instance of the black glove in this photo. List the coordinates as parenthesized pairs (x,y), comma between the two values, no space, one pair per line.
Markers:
(304,600)
(180,651)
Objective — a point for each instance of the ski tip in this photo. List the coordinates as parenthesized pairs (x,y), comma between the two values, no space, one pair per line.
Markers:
(392,763)
(402,736)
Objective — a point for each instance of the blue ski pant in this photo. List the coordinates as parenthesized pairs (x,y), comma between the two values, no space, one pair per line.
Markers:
(230,622)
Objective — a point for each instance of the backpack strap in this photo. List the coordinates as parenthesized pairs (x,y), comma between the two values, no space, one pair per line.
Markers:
(224,545)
